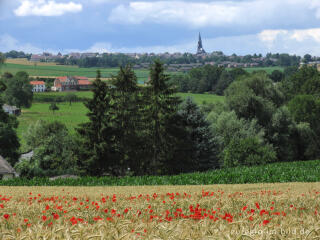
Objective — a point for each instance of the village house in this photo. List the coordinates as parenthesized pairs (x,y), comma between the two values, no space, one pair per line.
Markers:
(36,58)
(38,86)
(6,171)
(68,83)
(11,109)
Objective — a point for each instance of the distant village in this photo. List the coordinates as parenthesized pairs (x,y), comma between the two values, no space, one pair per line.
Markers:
(203,57)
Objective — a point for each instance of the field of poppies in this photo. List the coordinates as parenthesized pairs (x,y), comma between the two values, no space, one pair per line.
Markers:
(249,211)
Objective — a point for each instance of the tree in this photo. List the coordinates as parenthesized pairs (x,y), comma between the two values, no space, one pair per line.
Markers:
(311,86)
(53,149)
(281,133)
(241,135)
(53,107)
(276,76)
(292,86)
(307,58)
(96,155)
(2,60)
(254,97)
(289,71)
(161,108)
(197,150)
(247,151)
(224,81)
(306,108)
(18,90)
(70,97)
(126,120)
(9,142)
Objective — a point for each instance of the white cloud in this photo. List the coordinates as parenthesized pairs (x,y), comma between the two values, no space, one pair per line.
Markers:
(8,43)
(299,41)
(305,34)
(216,13)
(270,36)
(46,8)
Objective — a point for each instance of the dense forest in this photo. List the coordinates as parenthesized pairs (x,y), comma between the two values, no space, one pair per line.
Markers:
(135,130)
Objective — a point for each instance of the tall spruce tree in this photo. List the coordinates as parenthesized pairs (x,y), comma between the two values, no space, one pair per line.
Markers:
(161,109)
(198,150)
(96,155)
(126,120)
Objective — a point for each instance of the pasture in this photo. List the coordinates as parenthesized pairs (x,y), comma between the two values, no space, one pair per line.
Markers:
(269,70)
(252,211)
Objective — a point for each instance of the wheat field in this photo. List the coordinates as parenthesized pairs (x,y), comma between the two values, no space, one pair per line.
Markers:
(252,211)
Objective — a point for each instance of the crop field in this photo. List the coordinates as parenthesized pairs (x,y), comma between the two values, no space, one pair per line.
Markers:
(252,211)
(25,61)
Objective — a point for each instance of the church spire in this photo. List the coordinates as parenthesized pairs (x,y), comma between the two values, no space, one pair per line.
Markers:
(200,47)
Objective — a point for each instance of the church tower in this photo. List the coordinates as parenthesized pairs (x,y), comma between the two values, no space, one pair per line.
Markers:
(200,48)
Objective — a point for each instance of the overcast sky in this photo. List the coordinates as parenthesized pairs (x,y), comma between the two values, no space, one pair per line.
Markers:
(233,26)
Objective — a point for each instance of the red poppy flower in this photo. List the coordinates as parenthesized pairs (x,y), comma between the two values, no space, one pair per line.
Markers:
(265,222)
(6,216)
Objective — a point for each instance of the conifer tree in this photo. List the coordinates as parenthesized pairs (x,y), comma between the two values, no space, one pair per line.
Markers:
(126,119)
(96,154)
(161,109)
(197,151)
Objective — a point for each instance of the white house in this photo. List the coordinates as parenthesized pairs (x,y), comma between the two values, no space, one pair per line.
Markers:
(38,86)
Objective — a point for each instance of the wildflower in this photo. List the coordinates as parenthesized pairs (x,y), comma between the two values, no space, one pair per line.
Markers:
(6,216)
(265,222)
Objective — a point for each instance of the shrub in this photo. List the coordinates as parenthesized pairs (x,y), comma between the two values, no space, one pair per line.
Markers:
(248,151)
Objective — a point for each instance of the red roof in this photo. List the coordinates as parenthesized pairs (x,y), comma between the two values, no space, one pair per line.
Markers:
(62,78)
(37,82)
(80,78)
(84,82)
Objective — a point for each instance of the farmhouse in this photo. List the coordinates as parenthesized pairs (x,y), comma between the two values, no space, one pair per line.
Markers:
(6,171)
(38,86)
(69,83)
(11,109)
(36,58)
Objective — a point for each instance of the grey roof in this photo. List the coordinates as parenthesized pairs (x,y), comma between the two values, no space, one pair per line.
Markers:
(8,107)
(26,156)
(5,167)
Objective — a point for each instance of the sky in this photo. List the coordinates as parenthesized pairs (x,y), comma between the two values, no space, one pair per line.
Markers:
(157,26)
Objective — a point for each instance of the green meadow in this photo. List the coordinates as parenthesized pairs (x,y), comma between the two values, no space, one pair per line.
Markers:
(60,70)
(269,70)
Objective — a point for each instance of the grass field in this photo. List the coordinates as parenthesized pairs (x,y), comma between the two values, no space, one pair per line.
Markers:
(269,70)
(58,70)
(257,211)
